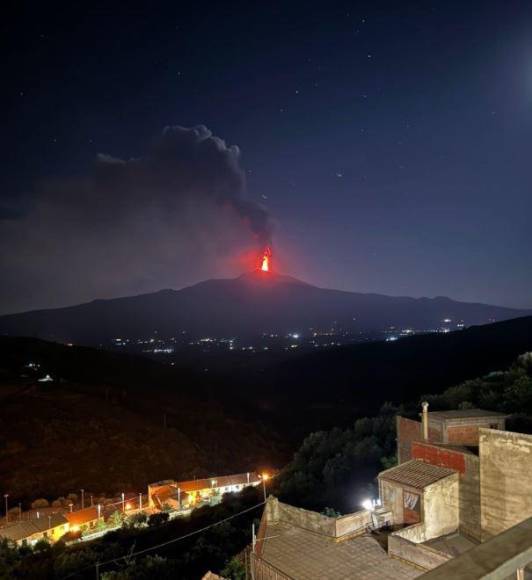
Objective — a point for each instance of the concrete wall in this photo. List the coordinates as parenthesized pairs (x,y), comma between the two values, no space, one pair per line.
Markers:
(469,490)
(338,528)
(352,523)
(391,497)
(468,467)
(414,553)
(308,520)
(505,480)
(414,533)
(441,507)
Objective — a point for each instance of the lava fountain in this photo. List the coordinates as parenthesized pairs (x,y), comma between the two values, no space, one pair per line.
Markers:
(266,260)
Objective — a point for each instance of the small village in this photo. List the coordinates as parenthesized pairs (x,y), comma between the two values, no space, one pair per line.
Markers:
(84,517)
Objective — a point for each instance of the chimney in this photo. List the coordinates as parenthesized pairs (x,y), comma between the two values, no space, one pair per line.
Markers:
(425,420)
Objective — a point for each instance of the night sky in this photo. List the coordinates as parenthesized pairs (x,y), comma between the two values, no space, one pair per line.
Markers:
(380,147)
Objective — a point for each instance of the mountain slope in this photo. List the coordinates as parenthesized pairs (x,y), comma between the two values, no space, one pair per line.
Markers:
(246,306)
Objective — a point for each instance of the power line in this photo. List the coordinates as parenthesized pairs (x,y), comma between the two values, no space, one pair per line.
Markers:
(98,565)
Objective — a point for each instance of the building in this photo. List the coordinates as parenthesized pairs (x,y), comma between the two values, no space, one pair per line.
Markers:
(186,494)
(491,490)
(84,519)
(50,528)
(423,496)
(459,503)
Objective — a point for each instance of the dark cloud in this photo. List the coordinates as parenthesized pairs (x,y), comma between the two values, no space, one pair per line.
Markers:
(174,215)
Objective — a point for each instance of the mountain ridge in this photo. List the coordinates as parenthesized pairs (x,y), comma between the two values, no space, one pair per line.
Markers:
(250,305)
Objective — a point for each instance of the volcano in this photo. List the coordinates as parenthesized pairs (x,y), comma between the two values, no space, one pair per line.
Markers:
(254,303)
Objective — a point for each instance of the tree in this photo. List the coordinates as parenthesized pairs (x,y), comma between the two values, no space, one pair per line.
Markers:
(40,503)
(158,519)
(137,520)
(234,569)
(116,519)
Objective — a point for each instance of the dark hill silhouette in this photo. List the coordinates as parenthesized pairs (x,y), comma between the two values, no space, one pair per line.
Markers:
(217,422)
(246,306)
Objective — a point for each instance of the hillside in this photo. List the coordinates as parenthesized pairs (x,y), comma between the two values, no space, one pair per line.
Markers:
(331,387)
(102,425)
(250,305)
(113,422)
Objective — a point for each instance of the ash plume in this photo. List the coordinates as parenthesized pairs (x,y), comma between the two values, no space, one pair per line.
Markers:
(170,217)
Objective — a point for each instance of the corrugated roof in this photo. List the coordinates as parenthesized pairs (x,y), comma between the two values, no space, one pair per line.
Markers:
(416,474)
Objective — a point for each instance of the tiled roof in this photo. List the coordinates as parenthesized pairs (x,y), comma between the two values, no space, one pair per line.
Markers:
(416,474)
(84,516)
(26,529)
(18,531)
(304,555)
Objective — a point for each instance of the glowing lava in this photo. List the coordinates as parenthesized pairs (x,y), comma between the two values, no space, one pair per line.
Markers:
(266,260)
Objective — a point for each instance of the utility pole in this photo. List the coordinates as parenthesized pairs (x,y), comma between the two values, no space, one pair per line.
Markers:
(97,570)
(265,478)
(82,498)
(123,502)
(140,501)
(252,555)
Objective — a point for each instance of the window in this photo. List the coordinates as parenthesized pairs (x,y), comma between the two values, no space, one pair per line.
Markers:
(494,425)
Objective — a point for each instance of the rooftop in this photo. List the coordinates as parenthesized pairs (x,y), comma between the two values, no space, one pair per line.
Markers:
(496,558)
(221,481)
(305,555)
(464,414)
(84,516)
(25,529)
(416,474)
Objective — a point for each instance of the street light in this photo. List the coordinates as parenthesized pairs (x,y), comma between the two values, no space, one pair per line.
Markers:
(123,502)
(99,506)
(265,478)
(82,498)
(6,495)
(140,501)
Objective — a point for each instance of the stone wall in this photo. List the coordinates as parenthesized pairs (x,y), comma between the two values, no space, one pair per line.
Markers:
(505,480)
(414,553)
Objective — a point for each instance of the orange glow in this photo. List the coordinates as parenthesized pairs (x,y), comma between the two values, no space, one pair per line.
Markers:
(128,506)
(266,260)
(265,476)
